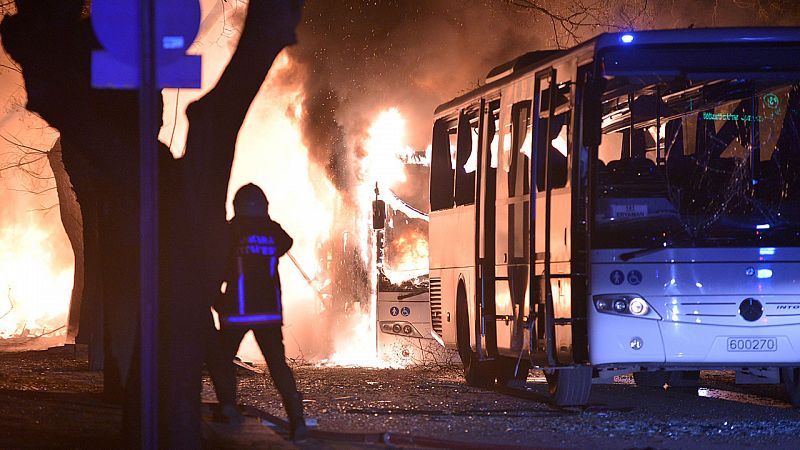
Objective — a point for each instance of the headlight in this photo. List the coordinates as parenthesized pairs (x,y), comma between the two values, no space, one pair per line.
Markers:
(638,307)
(624,305)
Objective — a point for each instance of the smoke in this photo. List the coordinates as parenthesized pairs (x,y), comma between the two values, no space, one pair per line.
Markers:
(362,57)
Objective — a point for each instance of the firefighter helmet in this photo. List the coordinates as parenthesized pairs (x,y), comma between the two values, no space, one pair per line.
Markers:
(250,201)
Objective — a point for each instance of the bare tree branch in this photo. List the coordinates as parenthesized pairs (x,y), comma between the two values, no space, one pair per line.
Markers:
(577,20)
(39,192)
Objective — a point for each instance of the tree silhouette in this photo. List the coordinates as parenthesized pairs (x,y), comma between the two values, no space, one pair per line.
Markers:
(52,40)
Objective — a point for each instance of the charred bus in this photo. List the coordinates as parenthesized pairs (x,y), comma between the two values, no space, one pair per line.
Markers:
(628,205)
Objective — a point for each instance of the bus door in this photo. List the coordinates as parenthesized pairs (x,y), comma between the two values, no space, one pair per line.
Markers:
(554,91)
(513,217)
(486,226)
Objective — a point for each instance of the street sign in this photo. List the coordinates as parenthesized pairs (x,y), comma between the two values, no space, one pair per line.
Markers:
(116,24)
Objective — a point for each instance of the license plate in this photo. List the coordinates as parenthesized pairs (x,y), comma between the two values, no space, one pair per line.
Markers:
(752,344)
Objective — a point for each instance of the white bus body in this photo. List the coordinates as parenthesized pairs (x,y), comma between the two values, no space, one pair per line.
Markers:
(664,220)
(696,294)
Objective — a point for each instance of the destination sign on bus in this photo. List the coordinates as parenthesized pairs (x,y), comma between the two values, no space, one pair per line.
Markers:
(630,211)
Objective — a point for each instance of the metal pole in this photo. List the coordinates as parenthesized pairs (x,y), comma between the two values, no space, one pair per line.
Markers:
(479,297)
(550,327)
(631,129)
(658,126)
(148,221)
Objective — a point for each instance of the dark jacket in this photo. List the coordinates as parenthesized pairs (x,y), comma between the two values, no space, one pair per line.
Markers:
(253,281)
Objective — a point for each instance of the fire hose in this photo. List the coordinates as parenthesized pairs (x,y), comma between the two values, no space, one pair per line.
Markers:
(305,275)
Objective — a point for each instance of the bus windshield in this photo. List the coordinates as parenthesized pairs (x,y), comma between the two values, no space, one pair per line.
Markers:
(712,164)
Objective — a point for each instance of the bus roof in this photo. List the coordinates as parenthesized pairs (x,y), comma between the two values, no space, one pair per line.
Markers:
(531,61)
(699,36)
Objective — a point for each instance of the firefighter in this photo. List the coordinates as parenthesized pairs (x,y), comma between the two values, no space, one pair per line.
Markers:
(252,301)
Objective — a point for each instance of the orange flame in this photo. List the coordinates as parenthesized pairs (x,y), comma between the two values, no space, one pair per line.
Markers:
(37,293)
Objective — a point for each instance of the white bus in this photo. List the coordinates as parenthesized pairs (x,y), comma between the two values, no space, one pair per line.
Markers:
(657,176)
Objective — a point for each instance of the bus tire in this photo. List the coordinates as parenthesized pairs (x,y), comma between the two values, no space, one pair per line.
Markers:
(791,381)
(476,373)
(674,379)
(570,387)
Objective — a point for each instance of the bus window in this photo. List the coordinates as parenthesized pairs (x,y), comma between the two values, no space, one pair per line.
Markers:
(559,130)
(494,138)
(731,173)
(518,173)
(442,173)
(466,160)
(558,126)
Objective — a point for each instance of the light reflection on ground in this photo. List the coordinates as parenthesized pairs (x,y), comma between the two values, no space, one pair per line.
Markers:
(742,398)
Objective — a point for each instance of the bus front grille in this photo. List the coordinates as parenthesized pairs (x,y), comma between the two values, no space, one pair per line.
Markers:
(436,304)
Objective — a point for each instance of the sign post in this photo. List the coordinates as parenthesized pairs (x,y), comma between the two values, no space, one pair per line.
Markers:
(145,44)
(148,227)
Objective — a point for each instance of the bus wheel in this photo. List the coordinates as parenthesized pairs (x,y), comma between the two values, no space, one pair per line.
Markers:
(477,373)
(675,379)
(791,381)
(570,387)
(506,368)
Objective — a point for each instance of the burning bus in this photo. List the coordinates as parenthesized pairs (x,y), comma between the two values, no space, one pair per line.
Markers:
(629,205)
(407,323)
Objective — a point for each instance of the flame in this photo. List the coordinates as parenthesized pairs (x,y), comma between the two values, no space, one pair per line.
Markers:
(270,153)
(386,150)
(359,349)
(36,267)
(409,257)
(36,292)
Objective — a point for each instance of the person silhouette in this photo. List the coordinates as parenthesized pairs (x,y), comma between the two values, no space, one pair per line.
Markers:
(252,301)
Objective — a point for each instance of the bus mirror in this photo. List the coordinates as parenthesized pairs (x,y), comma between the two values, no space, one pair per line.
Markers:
(593,112)
(378,215)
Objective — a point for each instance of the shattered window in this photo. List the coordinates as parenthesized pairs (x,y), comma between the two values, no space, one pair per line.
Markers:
(557,152)
(442,165)
(556,149)
(723,169)
(519,167)
(466,158)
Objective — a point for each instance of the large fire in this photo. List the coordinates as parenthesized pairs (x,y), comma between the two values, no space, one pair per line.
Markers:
(36,265)
(329,280)
(36,292)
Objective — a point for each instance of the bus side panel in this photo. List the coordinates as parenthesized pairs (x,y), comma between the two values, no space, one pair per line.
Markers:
(453,261)
(447,287)
(450,278)
(454,232)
